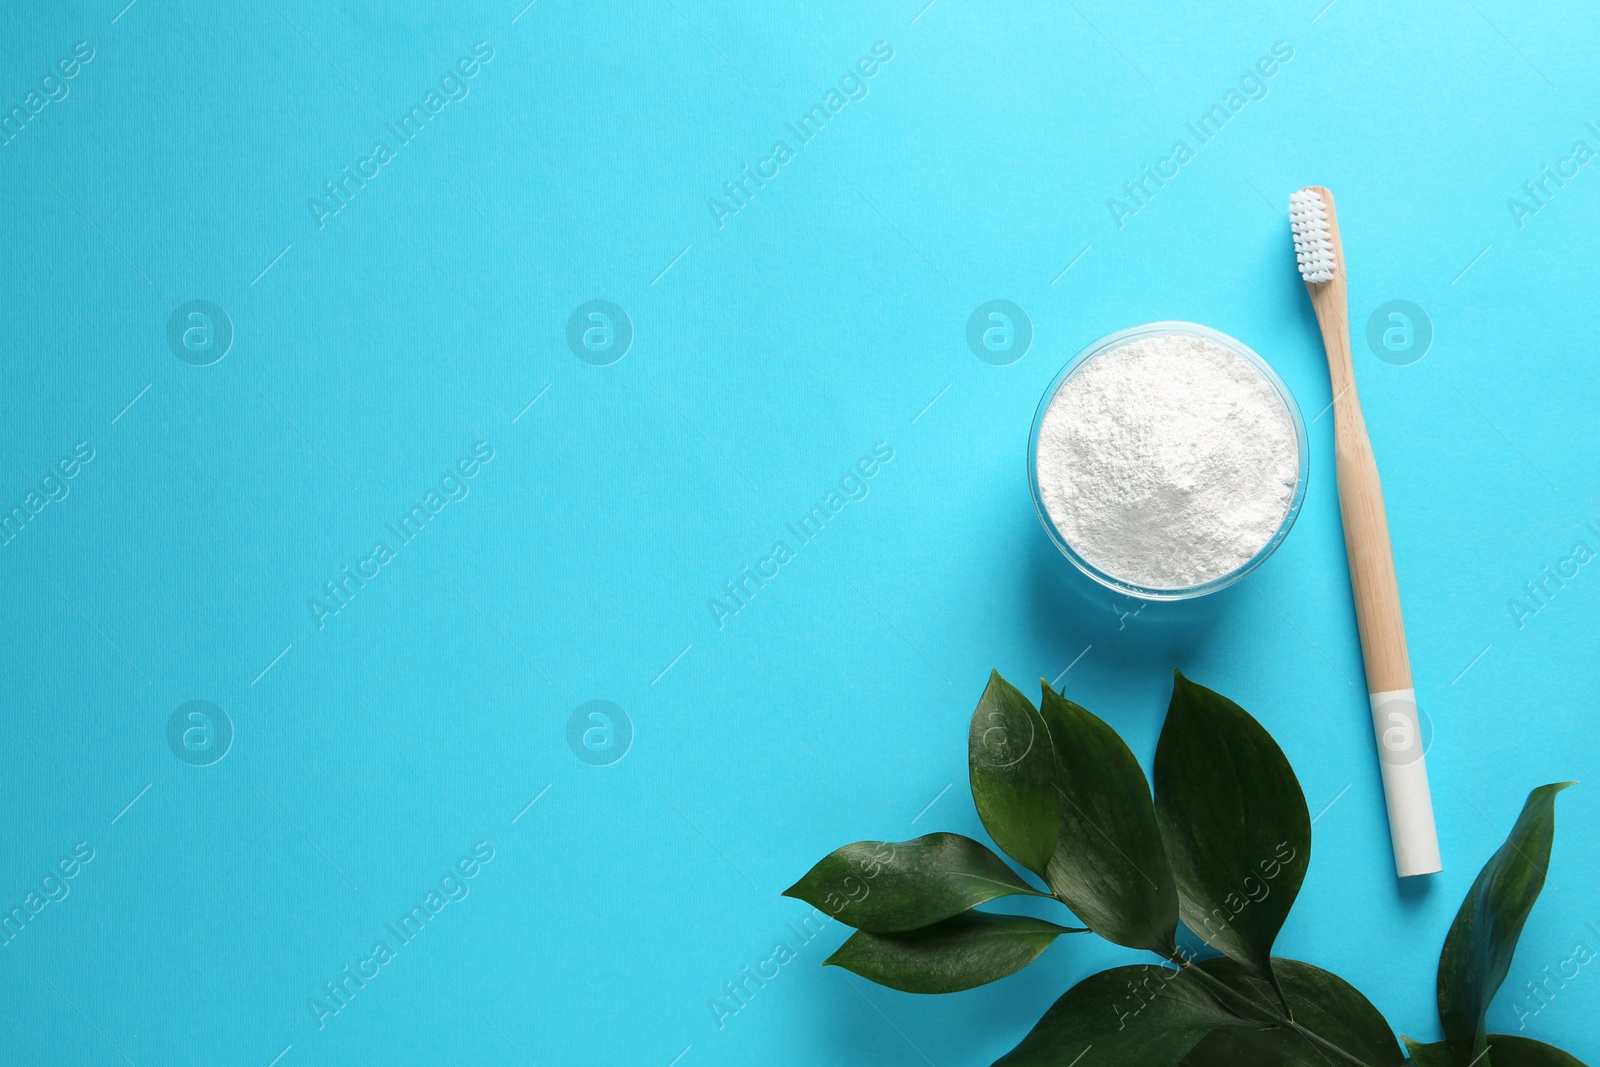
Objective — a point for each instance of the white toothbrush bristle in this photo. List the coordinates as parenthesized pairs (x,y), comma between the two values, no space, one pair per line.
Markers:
(1313,238)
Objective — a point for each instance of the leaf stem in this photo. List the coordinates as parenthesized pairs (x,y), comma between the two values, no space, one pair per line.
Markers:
(1318,1039)
(1273,1015)
(1219,987)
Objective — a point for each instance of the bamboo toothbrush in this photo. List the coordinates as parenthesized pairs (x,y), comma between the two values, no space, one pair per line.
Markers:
(1320,254)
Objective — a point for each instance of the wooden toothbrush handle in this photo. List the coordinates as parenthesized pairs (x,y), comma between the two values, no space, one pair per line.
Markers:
(1396,721)
(1366,541)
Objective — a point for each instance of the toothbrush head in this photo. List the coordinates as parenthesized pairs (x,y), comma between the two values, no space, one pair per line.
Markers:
(1313,236)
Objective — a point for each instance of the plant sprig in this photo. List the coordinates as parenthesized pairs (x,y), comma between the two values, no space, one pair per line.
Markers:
(1221,846)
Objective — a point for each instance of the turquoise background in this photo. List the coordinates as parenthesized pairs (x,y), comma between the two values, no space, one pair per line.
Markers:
(768,355)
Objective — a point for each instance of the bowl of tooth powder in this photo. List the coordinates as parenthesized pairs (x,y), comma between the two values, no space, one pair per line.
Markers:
(1167,461)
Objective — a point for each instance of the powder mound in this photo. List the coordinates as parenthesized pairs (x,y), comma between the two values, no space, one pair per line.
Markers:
(1167,462)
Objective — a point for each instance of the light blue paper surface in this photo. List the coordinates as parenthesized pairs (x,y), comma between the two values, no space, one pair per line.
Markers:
(379,337)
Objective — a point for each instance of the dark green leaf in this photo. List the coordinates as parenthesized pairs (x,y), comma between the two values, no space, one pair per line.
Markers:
(1013,774)
(885,886)
(1109,866)
(1140,1016)
(1437,1055)
(1234,821)
(970,949)
(1321,1002)
(1504,1051)
(1478,949)
(1508,1050)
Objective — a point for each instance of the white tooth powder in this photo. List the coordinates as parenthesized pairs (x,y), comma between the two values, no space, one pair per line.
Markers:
(1167,462)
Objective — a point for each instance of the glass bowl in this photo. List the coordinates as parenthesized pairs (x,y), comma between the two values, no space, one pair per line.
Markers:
(1117,340)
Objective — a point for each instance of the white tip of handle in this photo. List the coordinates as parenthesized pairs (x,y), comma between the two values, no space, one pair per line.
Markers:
(1411,829)
(1405,783)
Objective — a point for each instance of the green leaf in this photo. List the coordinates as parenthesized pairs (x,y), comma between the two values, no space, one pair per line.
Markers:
(1508,1050)
(1013,774)
(1478,949)
(1109,866)
(1318,1000)
(887,886)
(1436,1055)
(1505,1050)
(967,950)
(1139,1016)
(1234,821)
